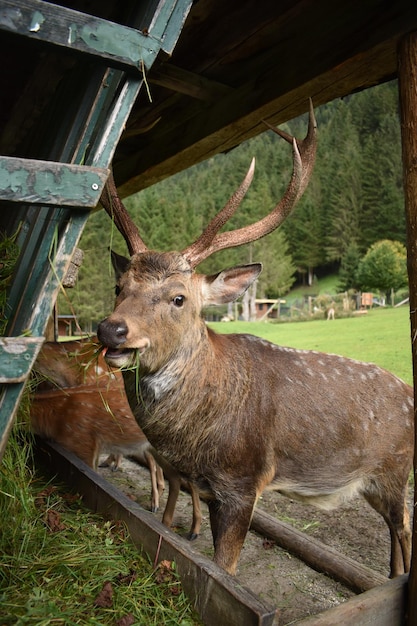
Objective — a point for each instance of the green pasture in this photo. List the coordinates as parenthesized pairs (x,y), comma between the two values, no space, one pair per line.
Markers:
(380,336)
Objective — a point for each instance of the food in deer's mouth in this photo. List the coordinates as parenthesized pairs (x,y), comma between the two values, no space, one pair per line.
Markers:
(114,353)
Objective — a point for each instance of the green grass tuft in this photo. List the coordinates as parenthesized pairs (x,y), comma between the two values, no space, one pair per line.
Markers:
(58,559)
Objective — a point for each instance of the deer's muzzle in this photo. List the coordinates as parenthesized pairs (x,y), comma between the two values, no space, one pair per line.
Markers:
(112,334)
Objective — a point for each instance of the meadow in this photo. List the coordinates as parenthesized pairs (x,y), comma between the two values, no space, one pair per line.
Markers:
(380,336)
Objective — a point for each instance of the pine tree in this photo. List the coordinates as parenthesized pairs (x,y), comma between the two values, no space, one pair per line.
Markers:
(349,267)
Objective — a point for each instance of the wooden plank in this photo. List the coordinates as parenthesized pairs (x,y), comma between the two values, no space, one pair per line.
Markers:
(382,606)
(216,596)
(44,21)
(190,132)
(17,355)
(10,397)
(316,554)
(168,22)
(407,73)
(181,81)
(47,182)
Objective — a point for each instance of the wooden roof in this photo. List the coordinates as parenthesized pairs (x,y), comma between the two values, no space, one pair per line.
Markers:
(236,63)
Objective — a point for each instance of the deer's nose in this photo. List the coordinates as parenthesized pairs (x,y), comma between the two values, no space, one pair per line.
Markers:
(112,334)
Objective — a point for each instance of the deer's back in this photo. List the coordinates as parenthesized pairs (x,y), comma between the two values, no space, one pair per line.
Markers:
(277,412)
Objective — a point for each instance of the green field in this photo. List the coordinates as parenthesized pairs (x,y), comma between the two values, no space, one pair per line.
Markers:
(382,336)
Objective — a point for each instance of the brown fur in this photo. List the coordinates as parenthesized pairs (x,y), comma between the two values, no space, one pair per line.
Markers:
(236,414)
(82,405)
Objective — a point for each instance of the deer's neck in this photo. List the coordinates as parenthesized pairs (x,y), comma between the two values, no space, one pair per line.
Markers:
(191,391)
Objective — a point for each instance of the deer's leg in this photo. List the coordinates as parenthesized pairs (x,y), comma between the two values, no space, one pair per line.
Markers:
(174,483)
(113,461)
(197,516)
(93,455)
(155,481)
(229,525)
(160,480)
(397,517)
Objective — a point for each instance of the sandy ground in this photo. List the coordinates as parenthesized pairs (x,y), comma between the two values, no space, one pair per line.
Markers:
(272,573)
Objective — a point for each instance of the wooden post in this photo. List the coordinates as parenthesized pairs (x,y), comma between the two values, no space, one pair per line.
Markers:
(407,74)
(316,554)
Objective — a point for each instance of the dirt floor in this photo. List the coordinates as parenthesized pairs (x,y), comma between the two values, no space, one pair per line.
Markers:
(272,573)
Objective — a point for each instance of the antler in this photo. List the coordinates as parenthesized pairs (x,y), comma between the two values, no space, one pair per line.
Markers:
(304,153)
(196,249)
(116,209)
(210,241)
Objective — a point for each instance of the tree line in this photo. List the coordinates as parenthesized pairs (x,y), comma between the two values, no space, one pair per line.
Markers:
(353,201)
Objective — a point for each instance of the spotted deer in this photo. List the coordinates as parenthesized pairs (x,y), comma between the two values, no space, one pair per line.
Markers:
(81,404)
(236,414)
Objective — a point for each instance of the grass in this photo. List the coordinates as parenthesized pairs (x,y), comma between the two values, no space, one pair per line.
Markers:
(382,336)
(60,564)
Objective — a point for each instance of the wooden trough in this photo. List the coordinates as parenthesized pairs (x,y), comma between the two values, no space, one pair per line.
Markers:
(216,596)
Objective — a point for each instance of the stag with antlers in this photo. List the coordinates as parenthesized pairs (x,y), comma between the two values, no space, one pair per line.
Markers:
(236,414)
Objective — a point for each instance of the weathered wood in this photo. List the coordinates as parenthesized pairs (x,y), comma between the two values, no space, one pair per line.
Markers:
(84,126)
(194,85)
(77,31)
(216,596)
(247,47)
(382,606)
(316,554)
(47,182)
(17,356)
(9,401)
(407,71)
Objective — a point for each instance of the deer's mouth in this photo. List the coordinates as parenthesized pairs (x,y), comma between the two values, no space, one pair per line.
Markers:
(117,357)
(125,357)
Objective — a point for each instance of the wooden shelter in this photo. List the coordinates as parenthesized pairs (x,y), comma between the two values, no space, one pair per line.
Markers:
(155,86)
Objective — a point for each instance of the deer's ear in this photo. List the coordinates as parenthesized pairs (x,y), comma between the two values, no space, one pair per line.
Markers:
(229,284)
(120,263)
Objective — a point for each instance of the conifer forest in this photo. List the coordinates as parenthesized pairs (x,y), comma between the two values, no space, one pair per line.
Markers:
(354,201)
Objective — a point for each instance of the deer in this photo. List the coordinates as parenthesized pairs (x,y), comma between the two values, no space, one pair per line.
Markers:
(235,414)
(78,402)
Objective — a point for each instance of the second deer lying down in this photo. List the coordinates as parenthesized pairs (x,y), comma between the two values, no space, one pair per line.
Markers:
(236,414)
(82,405)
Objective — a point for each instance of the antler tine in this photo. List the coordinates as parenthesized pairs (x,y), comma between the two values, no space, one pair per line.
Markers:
(306,146)
(203,242)
(304,152)
(113,205)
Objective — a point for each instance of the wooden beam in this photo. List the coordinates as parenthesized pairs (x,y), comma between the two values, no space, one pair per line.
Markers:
(188,83)
(50,183)
(216,596)
(316,554)
(116,44)
(407,73)
(382,606)
(198,131)
(17,356)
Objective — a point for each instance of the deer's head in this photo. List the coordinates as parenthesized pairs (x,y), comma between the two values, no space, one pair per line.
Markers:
(159,296)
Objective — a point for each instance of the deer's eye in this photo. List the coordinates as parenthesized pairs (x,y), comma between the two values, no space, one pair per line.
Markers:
(117,290)
(179,301)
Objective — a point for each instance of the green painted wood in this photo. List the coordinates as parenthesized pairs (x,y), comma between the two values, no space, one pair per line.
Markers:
(46,182)
(51,222)
(62,258)
(114,43)
(17,356)
(107,143)
(171,18)
(10,396)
